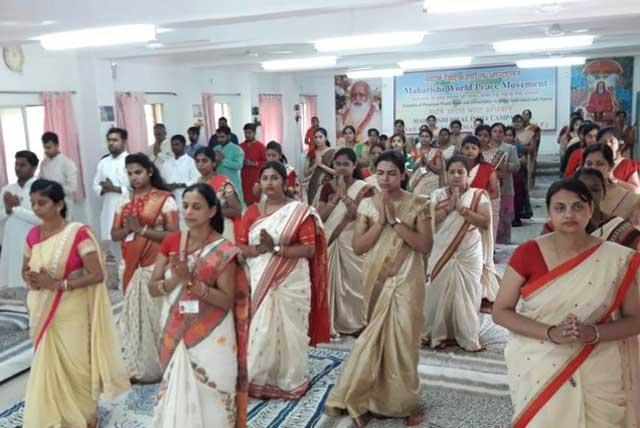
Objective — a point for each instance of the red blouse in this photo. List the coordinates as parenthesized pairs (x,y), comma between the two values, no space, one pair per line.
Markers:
(625,169)
(528,262)
(574,162)
(306,234)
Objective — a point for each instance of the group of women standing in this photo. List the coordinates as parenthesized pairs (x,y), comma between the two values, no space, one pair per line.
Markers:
(351,262)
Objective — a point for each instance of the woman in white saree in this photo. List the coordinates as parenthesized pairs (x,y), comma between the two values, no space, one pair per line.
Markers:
(339,202)
(286,251)
(573,354)
(205,321)
(461,270)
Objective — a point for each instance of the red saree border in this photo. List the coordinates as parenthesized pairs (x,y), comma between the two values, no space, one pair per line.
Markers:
(538,284)
(47,323)
(458,238)
(543,397)
(266,392)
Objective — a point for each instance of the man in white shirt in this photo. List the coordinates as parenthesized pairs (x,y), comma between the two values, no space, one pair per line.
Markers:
(59,168)
(160,151)
(111,184)
(18,219)
(179,172)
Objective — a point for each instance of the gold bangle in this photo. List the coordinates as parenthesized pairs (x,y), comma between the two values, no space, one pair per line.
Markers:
(548,335)
(595,339)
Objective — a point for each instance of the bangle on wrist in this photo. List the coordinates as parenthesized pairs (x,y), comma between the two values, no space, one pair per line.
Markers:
(548,335)
(595,339)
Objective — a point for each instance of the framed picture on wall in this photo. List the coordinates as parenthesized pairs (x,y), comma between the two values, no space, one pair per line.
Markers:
(197,111)
(107,114)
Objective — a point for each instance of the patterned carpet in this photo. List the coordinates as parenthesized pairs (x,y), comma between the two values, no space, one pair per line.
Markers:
(475,382)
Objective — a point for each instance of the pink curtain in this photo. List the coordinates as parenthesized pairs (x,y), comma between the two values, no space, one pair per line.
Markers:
(311,107)
(3,162)
(59,118)
(130,116)
(271,117)
(208,109)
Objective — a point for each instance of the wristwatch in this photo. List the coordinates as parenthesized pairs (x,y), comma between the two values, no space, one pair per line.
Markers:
(396,221)
(276,249)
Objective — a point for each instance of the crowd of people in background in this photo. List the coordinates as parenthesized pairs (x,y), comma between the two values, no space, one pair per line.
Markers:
(233,264)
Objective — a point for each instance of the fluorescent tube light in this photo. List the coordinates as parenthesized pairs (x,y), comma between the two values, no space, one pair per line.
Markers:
(97,37)
(543,44)
(458,6)
(551,62)
(370,74)
(369,41)
(435,63)
(300,63)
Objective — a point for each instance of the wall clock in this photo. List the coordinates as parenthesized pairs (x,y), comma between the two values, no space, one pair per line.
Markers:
(13,57)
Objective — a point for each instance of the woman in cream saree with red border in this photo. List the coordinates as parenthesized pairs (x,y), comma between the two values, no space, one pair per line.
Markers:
(577,385)
(289,302)
(461,273)
(76,346)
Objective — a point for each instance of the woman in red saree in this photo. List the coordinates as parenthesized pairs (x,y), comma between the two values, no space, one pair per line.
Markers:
(226,192)
(76,346)
(205,321)
(284,243)
(141,223)
(572,358)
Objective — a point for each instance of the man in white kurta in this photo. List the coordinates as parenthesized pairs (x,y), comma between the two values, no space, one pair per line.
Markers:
(110,185)
(160,151)
(17,218)
(179,172)
(59,168)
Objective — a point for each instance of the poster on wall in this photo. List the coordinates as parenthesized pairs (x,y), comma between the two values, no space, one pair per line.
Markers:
(494,94)
(601,87)
(358,103)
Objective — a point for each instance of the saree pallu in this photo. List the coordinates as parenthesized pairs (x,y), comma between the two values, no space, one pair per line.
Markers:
(139,321)
(317,179)
(619,202)
(204,355)
(224,187)
(461,274)
(479,177)
(345,267)
(289,306)
(380,375)
(577,385)
(76,346)
(424,181)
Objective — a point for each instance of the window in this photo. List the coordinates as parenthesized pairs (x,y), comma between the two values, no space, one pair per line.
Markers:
(22,128)
(153,114)
(220,110)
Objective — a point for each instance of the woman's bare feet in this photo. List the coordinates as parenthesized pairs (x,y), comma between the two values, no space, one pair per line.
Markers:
(414,420)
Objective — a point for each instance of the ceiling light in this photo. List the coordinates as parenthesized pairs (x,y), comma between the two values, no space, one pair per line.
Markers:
(373,73)
(155,45)
(161,30)
(458,6)
(434,63)
(551,62)
(543,44)
(300,63)
(97,37)
(369,41)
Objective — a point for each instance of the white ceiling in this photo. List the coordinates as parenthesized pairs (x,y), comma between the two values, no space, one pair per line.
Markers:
(239,34)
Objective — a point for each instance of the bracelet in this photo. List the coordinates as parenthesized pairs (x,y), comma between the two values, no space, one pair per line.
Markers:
(548,335)
(597,338)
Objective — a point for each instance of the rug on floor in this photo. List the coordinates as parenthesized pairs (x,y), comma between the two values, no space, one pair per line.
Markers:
(480,397)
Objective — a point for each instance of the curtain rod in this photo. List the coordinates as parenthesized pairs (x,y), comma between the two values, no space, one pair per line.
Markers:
(161,93)
(270,95)
(227,94)
(307,95)
(29,92)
